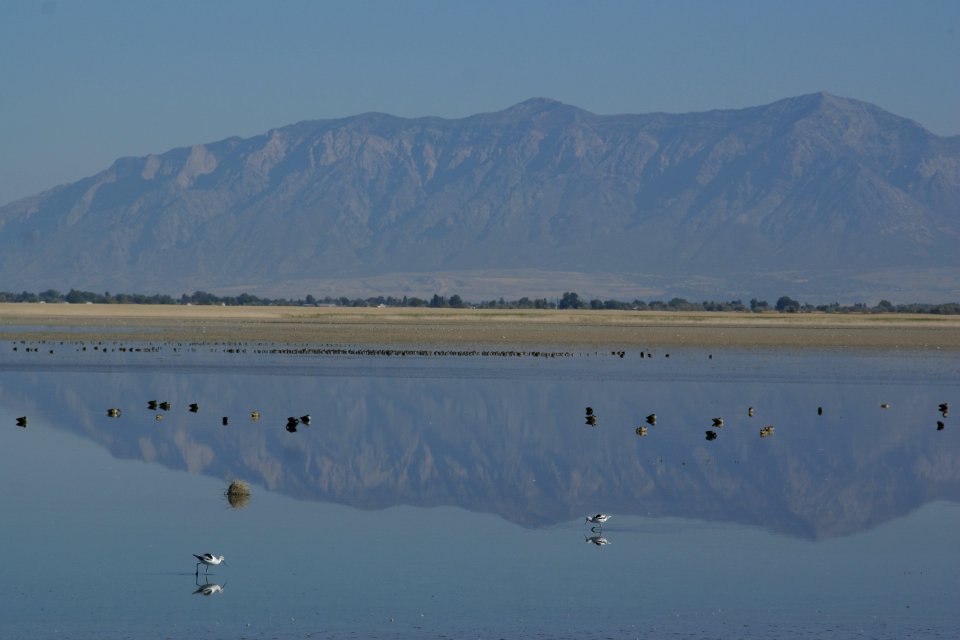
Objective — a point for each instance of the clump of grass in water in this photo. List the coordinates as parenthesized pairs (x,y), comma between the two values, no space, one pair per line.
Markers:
(238,494)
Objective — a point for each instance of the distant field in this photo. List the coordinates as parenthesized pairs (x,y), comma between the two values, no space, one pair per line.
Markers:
(459,327)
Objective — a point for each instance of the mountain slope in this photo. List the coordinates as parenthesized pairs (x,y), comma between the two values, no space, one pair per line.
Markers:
(815,191)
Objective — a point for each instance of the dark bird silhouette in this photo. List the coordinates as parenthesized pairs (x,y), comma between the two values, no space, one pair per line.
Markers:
(718,422)
(940,425)
(113,412)
(641,431)
(652,419)
(750,412)
(194,407)
(711,435)
(819,411)
(22,422)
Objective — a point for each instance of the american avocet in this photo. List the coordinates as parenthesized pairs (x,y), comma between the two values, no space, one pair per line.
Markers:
(208,559)
(600,518)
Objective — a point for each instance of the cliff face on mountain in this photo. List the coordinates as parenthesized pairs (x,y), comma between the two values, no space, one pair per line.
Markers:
(815,196)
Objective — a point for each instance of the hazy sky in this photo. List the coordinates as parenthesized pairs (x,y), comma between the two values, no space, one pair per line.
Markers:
(83,82)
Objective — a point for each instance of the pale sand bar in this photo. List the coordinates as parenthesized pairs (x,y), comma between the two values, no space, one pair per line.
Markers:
(465,327)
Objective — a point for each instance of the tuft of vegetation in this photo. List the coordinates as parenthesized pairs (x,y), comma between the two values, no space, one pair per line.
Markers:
(238,494)
(568,300)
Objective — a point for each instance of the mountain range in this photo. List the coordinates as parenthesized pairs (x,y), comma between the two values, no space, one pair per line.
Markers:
(818,197)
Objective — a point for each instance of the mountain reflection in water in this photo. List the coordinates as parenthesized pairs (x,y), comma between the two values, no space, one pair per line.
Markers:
(509,438)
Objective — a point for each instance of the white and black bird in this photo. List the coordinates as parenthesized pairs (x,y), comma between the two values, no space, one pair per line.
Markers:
(599,519)
(207,560)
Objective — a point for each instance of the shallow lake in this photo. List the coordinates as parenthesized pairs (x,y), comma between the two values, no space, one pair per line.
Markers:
(445,496)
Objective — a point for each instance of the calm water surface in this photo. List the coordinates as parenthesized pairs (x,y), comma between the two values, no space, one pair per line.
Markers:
(445,497)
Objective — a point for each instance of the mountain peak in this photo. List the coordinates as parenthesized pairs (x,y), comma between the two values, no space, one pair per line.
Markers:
(541,106)
(535,104)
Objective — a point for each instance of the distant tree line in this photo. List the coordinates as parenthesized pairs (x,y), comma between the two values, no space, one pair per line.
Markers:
(568,300)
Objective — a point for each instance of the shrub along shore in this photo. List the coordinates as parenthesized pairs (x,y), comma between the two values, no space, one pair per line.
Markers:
(496,328)
(569,300)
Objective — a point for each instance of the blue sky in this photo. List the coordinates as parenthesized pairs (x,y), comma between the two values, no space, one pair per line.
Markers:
(85,82)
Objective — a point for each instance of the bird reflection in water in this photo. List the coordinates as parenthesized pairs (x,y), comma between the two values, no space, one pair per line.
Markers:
(597,540)
(591,417)
(208,588)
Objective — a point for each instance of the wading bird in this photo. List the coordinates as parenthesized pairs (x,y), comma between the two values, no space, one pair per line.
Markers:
(599,519)
(208,559)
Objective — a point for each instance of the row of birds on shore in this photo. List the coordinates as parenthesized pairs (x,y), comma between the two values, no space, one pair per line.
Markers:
(766,431)
(269,348)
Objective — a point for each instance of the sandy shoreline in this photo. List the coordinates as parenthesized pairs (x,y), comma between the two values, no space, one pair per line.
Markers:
(463,327)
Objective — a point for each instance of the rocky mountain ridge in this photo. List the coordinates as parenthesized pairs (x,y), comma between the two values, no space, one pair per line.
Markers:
(810,196)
